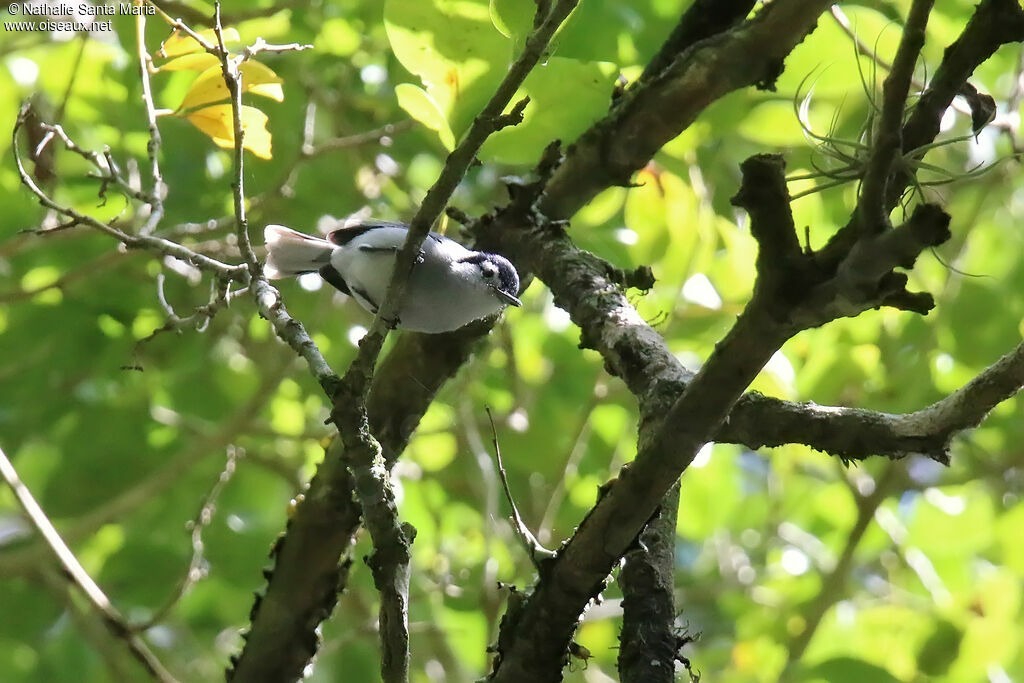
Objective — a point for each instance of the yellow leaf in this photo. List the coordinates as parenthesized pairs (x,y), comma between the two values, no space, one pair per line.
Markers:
(210,87)
(181,43)
(257,137)
(216,122)
(197,61)
(260,79)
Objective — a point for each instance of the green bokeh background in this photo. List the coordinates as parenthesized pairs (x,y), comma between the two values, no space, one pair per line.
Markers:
(121,459)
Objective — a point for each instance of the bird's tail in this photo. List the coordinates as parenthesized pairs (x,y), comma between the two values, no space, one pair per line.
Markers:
(290,252)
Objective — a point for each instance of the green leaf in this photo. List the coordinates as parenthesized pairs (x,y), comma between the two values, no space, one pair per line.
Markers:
(587,85)
(513,18)
(455,50)
(421,106)
(847,670)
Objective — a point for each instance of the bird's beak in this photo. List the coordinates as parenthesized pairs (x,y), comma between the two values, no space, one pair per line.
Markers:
(507,298)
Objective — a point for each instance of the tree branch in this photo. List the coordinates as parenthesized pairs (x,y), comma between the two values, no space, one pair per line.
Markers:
(833,583)
(114,620)
(363,453)
(702,19)
(648,643)
(662,106)
(887,143)
(311,560)
(132,241)
(536,552)
(159,190)
(489,120)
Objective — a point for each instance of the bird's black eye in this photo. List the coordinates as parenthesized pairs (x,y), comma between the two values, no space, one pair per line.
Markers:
(489,270)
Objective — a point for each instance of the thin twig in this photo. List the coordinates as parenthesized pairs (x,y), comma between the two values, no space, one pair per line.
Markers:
(159,189)
(310,150)
(197,569)
(83,38)
(887,143)
(179,25)
(261,45)
(149,242)
(1002,122)
(104,163)
(534,549)
(221,295)
(111,616)
(233,80)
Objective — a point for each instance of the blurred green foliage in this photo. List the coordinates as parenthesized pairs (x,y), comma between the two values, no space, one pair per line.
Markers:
(121,459)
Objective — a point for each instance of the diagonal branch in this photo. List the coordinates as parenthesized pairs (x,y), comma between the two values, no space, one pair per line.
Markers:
(537,552)
(646,117)
(886,146)
(114,620)
(312,558)
(702,19)
(363,453)
(489,120)
(631,348)
(532,643)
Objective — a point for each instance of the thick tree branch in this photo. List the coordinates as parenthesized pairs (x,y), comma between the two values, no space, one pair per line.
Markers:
(311,560)
(363,452)
(702,19)
(994,23)
(533,640)
(791,293)
(626,342)
(649,643)
(311,566)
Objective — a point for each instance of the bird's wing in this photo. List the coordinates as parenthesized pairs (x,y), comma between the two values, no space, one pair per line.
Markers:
(343,236)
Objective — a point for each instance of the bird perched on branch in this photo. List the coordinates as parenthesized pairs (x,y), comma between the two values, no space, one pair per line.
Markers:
(449,287)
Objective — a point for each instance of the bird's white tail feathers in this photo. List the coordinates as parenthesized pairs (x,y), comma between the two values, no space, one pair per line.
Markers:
(290,252)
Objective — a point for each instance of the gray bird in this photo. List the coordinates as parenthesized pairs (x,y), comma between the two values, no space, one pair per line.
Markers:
(450,285)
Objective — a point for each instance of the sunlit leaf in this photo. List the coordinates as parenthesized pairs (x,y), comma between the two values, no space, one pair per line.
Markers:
(257,78)
(422,107)
(455,50)
(512,18)
(180,43)
(216,122)
(195,61)
(588,85)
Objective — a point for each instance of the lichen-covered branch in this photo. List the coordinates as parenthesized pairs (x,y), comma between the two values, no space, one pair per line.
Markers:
(646,117)
(649,643)
(363,453)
